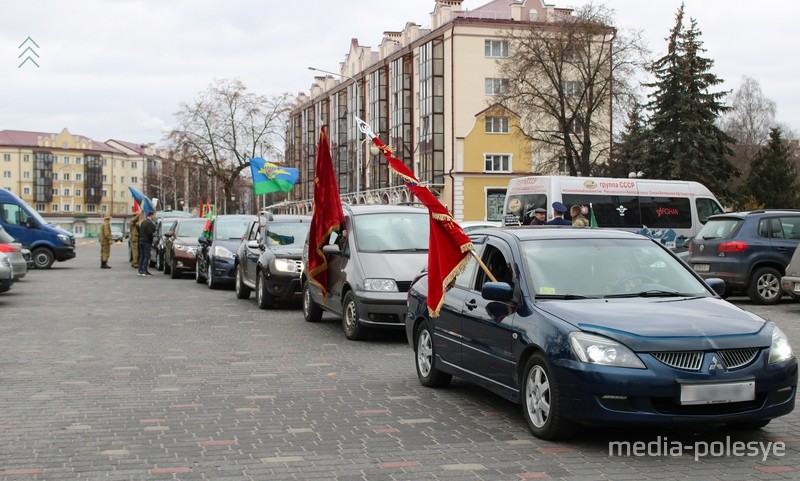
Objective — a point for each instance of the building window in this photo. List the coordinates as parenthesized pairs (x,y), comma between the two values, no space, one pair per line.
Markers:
(55,191)
(26,191)
(54,208)
(26,175)
(495,48)
(7,157)
(77,192)
(105,193)
(123,210)
(497,163)
(495,198)
(66,160)
(496,125)
(134,180)
(104,208)
(105,179)
(78,161)
(122,164)
(122,179)
(572,89)
(66,191)
(496,86)
(6,174)
(91,209)
(78,208)
(66,176)
(133,164)
(78,177)
(55,175)
(66,208)
(26,158)
(39,207)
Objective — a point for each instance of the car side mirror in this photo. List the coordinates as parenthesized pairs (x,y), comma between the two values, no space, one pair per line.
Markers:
(331,249)
(169,234)
(717,285)
(252,244)
(497,291)
(202,240)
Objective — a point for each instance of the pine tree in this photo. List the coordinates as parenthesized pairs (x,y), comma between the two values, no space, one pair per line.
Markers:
(773,180)
(684,141)
(630,152)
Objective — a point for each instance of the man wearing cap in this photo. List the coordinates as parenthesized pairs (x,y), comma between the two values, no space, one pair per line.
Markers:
(105,242)
(559,210)
(537,217)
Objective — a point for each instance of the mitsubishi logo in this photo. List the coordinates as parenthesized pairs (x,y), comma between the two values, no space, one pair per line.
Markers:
(715,364)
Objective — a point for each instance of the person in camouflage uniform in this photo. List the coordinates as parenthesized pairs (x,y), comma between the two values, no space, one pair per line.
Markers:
(105,242)
(134,237)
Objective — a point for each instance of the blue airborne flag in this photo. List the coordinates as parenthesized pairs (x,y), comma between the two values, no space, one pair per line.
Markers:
(143,201)
(268,177)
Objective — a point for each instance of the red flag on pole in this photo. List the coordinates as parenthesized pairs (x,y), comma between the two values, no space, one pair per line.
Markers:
(327,215)
(448,246)
(136,208)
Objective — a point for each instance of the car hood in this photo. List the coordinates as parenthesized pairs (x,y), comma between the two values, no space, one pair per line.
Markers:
(401,266)
(230,244)
(63,231)
(287,251)
(187,241)
(649,324)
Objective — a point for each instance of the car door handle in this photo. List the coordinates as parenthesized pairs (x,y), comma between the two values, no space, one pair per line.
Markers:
(472,304)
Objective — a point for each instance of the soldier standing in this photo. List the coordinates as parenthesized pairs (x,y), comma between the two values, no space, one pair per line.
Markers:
(105,242)
(134,237)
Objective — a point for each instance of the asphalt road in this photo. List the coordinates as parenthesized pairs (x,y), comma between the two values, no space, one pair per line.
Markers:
(107,375)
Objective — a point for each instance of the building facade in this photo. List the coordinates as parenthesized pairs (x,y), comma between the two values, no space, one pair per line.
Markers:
(432,95)
(71,180)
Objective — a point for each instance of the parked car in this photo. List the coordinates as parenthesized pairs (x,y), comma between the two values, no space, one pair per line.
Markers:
(28,258)
(215,257)
(163,226)
(600,326)
(6,273)
(791,281)
(472,225)
(749,250)
(13,249)
(181,246)
(269,260)
(160,217)
(370,270)
(116,234)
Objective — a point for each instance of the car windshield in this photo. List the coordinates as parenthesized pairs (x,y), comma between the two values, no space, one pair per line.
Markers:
(231,227)
(718,229)
(193,228)
(286,233)
(392,232)
(606,268)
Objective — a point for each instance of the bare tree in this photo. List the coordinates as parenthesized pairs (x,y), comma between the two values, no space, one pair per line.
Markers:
(566,80)
(750,118)
(226,126)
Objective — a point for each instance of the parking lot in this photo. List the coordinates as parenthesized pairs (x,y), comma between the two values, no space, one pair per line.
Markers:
(107,375)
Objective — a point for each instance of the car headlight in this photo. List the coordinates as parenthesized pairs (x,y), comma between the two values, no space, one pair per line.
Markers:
(184,248)
(780,350)
(594,349)
(285,265)
(382,285)
(222,253)
(64,239)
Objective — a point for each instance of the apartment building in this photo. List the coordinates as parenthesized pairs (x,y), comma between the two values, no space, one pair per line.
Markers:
(432,95)
(71,180)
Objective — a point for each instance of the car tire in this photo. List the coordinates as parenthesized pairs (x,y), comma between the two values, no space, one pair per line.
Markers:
(198,276)
(311,310)
(264,299)
(541,401)
(242,291)
(425,354)
(42,258)
(765,286)
(353,329)
(173,272)
(160,262)
(212,283)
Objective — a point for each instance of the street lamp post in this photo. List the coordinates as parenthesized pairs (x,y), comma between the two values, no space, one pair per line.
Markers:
(355,127)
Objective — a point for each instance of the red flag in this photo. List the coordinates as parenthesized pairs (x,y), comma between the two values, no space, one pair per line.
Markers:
(448,246)
(327,215)
(136,208)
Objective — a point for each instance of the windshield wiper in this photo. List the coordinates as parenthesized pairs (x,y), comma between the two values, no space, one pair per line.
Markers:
(563,296)
(649,293)
(407,249)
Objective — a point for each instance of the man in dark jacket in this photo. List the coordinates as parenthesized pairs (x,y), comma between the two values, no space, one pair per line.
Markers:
(559,210)
(147,229)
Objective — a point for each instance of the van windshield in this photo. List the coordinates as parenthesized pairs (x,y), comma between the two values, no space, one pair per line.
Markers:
(392,232)
(19,214)
(519,208)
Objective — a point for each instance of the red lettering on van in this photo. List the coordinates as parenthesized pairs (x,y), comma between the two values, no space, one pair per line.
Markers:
(666,211)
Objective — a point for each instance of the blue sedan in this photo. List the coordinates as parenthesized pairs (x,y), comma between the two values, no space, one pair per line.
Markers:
(594,326)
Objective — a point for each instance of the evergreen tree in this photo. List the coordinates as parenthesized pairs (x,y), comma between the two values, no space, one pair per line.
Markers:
(773,180)
(684,141)
(630,152)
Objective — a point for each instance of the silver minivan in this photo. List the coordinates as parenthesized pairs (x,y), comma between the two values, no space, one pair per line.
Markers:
(791,281)
(370,270)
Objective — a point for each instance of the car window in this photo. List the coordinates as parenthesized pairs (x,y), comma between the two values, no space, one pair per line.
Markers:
(706,208)
(464,279)
(190,229)
(718,229)
(498,264)
(13,214)
(286,233)
(790,227)
(230,228)
(392,231)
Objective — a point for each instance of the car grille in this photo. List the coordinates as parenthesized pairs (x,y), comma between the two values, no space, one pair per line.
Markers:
(736,358)
(686,360)
(404,286)
(6,262)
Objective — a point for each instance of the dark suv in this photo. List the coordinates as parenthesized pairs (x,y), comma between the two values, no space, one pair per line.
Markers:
(370,270)
(214,260)
(749,250)
(269,262)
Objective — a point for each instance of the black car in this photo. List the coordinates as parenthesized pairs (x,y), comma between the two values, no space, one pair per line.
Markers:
(163,226)
(269,260)
(215,258)
(749,250)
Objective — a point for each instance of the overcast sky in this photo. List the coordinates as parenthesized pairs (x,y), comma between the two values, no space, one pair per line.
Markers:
(120,68)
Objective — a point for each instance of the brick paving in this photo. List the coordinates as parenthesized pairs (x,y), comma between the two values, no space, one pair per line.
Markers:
(107,375)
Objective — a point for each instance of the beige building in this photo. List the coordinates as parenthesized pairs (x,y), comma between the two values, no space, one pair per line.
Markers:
(71,180)
(432,95)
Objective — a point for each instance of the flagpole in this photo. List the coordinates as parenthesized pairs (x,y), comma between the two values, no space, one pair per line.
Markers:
(483,266)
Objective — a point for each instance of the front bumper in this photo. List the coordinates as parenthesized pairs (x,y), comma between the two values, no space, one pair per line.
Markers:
(791,285)
(184,261)
(382,309)
(64,253)
(224,270)
(283,285)
(599,394)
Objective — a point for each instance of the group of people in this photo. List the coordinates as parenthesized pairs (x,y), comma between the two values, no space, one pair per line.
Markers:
(142,230)
(540,216)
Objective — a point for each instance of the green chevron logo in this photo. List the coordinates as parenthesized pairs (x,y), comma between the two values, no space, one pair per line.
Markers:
(29,52)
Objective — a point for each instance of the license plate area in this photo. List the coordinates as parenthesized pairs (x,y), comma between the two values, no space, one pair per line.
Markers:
(717,393)
(702,267)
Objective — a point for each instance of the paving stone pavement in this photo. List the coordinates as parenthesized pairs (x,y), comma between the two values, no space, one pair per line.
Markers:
(107,375)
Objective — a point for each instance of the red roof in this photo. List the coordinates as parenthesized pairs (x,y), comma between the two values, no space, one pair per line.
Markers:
(22,138)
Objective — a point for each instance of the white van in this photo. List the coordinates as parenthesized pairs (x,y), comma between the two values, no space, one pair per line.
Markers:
(630,204)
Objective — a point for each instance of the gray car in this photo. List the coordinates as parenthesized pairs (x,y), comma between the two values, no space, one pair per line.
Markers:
(791,281)
(13,249)
(371,268)
(6,273)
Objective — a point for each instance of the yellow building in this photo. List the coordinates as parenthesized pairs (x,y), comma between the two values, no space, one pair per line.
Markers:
(432,95)
(71,180)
